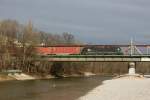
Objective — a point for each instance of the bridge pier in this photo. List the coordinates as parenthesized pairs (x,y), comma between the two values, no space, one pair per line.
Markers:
(131,69)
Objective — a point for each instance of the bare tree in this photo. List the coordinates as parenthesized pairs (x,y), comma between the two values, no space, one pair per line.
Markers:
(68,38)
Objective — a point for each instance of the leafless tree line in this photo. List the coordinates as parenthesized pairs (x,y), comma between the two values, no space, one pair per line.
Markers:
(17,44)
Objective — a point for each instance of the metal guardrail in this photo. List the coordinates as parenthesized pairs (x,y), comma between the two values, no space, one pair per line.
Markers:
(94,56)
(120,58)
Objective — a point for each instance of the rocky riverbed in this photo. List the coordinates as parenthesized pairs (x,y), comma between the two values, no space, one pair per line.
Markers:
(121,89)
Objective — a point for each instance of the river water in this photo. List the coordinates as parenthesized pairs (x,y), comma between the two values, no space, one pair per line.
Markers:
(53,89)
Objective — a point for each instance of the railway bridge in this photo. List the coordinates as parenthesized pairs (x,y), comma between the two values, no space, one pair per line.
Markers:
(131,59)
(135,53)
(97,58)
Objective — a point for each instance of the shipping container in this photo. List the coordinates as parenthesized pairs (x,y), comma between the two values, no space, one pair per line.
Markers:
(58,50)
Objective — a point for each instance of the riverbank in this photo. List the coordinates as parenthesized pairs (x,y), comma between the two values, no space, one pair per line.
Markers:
(5,78)
(16,76)
(121,89)
(24,76)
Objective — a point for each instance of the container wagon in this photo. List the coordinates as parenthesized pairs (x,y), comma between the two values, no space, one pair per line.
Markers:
(58,50)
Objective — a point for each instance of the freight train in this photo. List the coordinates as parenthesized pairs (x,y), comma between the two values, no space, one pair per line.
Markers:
(79,50)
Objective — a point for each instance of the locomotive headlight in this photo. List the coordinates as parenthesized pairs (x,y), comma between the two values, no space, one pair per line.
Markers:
(88,49)
(118,49)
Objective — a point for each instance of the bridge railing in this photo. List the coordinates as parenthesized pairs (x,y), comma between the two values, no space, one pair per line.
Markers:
(93,56)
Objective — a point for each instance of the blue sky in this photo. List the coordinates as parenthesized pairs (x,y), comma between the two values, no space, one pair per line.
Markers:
(91,21)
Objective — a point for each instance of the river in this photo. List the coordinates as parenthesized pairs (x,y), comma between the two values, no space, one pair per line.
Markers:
(53,89)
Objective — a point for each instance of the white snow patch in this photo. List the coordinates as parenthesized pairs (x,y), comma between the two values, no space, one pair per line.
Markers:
(21,76)
(121,89)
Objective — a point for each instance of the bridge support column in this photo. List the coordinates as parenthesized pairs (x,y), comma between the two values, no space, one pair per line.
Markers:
(132,66)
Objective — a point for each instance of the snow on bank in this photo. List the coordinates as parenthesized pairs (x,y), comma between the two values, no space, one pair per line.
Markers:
(121,89)
(87,74)
(21,76)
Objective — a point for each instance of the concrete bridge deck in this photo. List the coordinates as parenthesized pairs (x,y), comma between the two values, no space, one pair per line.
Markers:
(97,58)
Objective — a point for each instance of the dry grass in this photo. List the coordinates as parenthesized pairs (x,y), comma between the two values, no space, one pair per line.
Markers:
(5,78)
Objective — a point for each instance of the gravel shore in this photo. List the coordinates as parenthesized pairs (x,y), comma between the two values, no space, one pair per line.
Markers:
(121,89)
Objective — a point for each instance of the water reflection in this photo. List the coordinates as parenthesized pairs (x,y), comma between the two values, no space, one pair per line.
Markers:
(54,89)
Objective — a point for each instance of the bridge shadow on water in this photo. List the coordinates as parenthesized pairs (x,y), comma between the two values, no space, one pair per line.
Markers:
(53,89)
